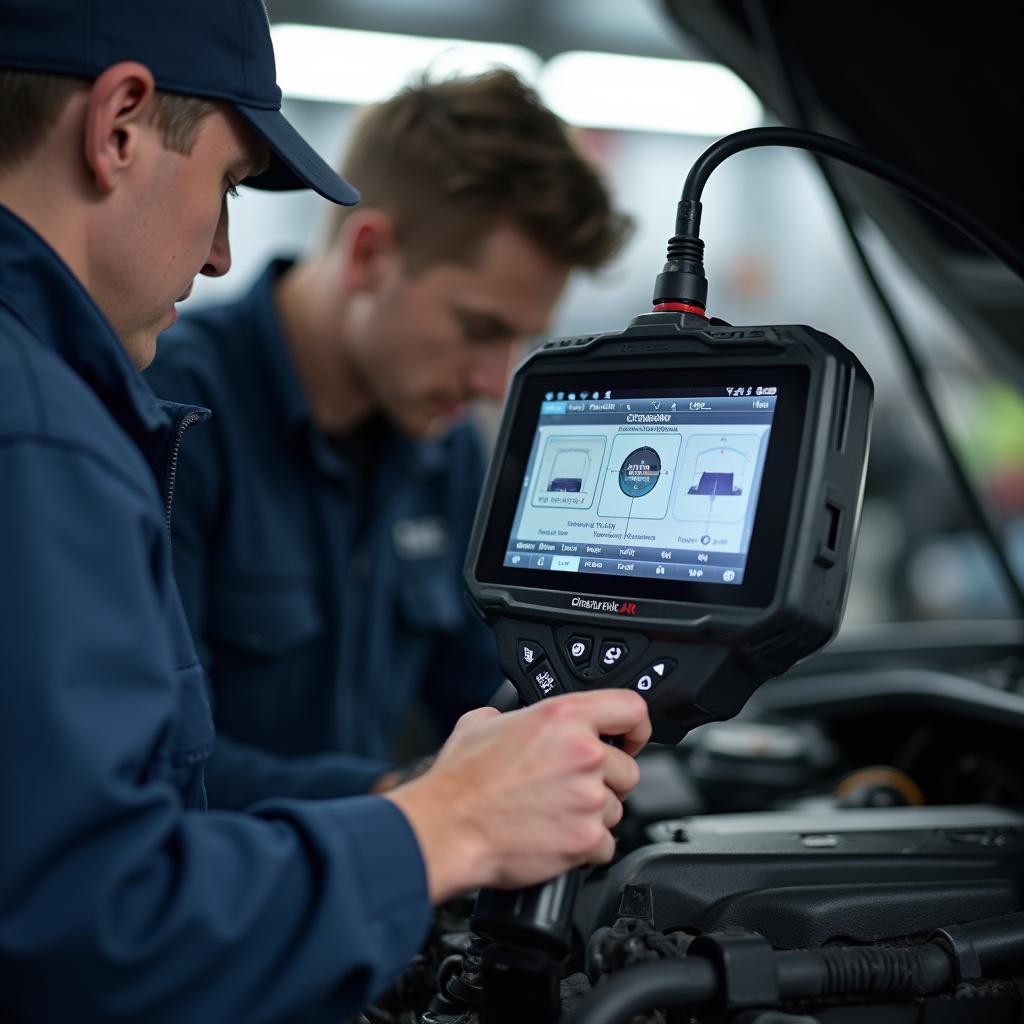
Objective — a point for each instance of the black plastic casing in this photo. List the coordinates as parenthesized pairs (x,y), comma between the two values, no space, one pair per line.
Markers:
(724,648)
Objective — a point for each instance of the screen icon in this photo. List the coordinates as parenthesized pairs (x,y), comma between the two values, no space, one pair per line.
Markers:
(728,391)
(728,576)
(572,396)
(607,394)
(584,395)
(549,396)
(561,395)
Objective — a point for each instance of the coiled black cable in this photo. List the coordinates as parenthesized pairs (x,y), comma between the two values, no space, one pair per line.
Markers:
(797,138)
(767,40)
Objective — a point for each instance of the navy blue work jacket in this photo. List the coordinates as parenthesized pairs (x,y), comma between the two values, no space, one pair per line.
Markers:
(121,898)
(320,610)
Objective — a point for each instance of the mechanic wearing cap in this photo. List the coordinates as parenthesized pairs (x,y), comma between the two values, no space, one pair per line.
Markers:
(122,128)
(338,385)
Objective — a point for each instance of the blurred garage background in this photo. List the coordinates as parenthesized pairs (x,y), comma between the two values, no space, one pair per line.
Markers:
(648,99)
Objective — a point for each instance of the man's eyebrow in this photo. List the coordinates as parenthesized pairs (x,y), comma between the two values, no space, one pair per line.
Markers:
(485,323)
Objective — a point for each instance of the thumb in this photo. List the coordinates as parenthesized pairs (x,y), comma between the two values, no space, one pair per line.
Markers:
(471,718)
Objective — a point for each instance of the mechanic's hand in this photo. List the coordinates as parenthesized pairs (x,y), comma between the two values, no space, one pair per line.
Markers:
(514,799)
(399,776)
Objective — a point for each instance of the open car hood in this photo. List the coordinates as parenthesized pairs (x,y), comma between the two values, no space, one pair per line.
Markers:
(936,90)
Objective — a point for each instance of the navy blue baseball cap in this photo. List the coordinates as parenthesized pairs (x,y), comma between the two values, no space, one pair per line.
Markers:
(214,49)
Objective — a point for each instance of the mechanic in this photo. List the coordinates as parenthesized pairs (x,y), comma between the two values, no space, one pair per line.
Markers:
(322,516)
(122,128)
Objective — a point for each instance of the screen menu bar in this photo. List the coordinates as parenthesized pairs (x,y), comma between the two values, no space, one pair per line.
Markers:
(706,568)
(626,560)
(660,410)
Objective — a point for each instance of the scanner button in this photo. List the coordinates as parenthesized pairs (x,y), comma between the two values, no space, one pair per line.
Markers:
(530,655)
(578,648)
(653,675)
(613,653)
(545,680)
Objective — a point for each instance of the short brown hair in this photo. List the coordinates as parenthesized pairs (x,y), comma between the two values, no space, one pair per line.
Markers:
(449,160)
(31,103)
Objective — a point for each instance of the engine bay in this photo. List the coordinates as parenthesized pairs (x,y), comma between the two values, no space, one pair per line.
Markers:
(783,832)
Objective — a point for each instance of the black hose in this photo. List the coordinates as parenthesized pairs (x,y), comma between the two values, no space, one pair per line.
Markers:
(679,983)
(863,970)
(986,949)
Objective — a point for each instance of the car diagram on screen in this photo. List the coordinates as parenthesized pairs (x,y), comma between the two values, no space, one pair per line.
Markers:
(716,478)
(639,475)
(568,472)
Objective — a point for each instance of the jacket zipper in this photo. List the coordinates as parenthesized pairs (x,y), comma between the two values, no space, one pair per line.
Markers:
(172,462)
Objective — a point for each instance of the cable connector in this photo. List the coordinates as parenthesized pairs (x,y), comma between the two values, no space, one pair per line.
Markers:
(682,286)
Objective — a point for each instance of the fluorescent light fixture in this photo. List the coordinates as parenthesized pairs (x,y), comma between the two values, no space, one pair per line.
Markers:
(613,90)
(339,65)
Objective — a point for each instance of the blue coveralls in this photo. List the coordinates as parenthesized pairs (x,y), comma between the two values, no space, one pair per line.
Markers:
(321,611)
(121,898)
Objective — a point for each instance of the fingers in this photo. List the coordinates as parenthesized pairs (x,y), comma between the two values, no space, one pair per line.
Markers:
(636,738)
(611,713)
(611,815)
(605,851)
(621,772)
(614,713)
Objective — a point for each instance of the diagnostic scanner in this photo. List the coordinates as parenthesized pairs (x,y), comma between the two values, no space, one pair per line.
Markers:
(672,509)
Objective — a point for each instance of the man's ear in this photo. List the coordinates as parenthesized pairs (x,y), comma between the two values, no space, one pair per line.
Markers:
(372,248)
(120,107)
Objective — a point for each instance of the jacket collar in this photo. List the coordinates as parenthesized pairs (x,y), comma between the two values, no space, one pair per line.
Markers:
(40,289)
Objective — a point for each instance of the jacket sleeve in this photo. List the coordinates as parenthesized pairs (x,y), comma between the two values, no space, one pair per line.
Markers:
(468,653)
(117,902)
(238,774)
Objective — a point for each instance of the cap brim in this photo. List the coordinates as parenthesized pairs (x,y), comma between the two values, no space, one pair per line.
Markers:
(293,162)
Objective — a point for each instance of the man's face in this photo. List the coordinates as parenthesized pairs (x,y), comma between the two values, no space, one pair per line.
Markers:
(429,343)
(167,224)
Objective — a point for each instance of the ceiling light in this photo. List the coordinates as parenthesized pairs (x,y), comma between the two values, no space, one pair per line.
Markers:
(612,90)
(341,65)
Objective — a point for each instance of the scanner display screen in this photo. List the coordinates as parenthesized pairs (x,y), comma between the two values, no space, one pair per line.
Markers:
(680,487)
(661,484)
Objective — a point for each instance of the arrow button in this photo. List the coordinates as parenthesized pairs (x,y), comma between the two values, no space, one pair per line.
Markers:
(653,675)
